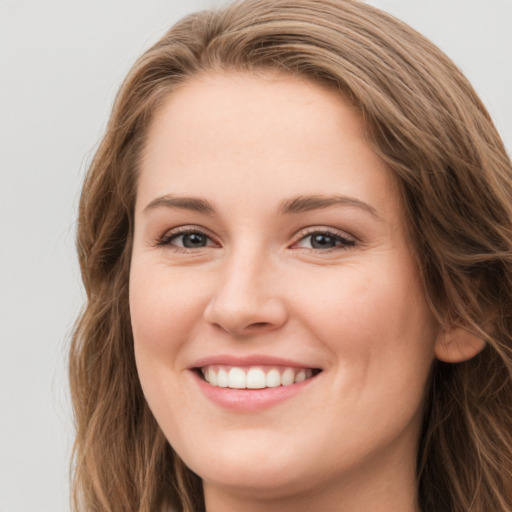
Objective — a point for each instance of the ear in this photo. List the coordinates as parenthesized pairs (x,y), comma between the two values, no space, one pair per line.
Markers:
(456,344)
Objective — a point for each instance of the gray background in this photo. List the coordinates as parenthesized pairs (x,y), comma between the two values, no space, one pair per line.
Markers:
(60,65)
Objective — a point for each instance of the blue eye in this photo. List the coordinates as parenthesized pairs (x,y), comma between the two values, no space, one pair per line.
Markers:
(192,240)
(186,240)
(325,240)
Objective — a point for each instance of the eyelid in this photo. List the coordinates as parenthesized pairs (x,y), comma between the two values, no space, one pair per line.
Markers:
(165,239)
(347,239)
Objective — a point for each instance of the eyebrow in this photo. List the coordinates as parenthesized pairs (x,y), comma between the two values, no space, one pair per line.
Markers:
(294,205)
(186,203)
(302,204)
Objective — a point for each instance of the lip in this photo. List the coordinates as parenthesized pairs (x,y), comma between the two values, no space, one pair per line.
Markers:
(249,400)
(252,360)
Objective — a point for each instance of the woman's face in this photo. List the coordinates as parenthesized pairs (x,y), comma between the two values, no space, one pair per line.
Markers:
(269,254)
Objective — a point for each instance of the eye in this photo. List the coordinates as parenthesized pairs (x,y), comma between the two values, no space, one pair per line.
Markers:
(186,239)
(325,240)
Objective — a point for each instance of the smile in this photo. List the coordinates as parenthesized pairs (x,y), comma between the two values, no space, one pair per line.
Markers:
(255,377)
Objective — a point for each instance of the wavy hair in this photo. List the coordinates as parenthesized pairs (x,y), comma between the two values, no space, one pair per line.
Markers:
(426,122)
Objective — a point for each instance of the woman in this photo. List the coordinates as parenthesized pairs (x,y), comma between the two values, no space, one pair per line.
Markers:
(296,240)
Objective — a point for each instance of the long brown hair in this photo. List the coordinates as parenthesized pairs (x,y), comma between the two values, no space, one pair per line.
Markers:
(426,122)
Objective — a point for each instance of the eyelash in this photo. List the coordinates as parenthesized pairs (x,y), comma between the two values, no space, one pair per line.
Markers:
(343,242)
(168,237)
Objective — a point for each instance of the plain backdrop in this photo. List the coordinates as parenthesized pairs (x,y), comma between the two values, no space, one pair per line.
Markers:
(61,63)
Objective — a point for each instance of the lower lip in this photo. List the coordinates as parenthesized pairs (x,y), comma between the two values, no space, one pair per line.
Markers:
(250,399)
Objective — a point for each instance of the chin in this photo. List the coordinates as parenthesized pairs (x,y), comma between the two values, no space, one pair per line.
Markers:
(270,482)
(250,469)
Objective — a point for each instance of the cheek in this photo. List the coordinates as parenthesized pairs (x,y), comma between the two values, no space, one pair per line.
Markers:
(161,303)
(164,309)
(164,312)
(377,324)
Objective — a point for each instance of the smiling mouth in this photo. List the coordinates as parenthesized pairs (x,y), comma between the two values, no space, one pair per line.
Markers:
(255,377)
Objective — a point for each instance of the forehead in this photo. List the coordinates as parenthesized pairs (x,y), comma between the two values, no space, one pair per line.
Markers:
(232,109)
(268,134)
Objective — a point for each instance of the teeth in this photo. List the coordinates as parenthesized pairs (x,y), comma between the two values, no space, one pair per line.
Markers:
(301,375)
(254,377)
(212,376)
(288,377)
(236,378)
(222,378)
(273,378)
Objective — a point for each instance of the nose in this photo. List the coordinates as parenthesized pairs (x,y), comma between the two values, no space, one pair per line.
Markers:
(248,298)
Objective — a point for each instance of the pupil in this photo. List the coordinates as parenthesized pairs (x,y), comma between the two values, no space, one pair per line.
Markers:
(322,241)
(194,240)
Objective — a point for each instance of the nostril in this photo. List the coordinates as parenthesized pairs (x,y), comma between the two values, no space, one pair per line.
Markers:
(258,325)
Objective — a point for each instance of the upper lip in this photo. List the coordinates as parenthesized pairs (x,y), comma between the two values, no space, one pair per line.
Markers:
(250,360)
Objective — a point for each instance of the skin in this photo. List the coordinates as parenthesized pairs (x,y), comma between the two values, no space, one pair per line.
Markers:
(246,143)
